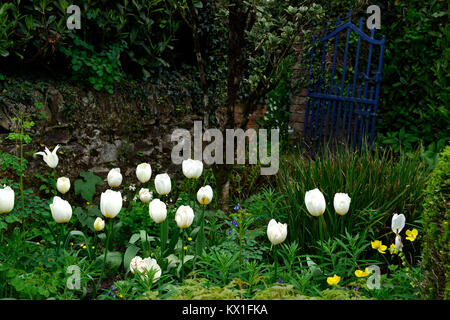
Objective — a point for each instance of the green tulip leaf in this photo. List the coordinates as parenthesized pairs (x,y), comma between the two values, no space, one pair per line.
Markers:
(130,253)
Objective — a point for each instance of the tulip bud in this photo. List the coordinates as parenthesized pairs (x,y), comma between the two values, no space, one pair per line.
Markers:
(341,203)
(6,200)
(276,232)
(143,172)
(61,210)
(63,185)
(145,195)
(192,169)
(398,223)
(184,217)
(205,195)
(114,178)
(315,202)
(50,158)
(157,210)
(163,185)
(99,224)
(110,203)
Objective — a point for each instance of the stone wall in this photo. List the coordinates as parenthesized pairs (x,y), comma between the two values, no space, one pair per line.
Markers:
(97,131)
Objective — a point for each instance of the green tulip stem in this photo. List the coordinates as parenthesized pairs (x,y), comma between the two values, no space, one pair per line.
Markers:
(182,256)
(275,261)
(108,236)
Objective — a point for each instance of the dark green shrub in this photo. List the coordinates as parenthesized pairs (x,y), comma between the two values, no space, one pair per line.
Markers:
(436,244)
(414,90)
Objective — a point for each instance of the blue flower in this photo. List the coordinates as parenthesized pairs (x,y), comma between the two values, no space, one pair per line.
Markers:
(238,207)
(234,223)
(280,280)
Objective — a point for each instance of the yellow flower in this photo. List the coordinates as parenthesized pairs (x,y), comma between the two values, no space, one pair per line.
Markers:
(412,234)
(189,239)
(185,248)
(71,243)
(120,296)
(378,245)
(93,247)
(362,274)
(38,243)
(334,280)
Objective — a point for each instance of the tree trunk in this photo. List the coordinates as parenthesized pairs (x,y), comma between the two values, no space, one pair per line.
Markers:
(222,175)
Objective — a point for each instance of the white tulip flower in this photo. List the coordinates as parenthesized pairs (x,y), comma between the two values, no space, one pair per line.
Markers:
(144,172)
(205,195)
(145,195)
(114,178)
(157,210)
(144,266)
(315,202)
(63,185)
(192,169)
(99,224)
(110,203)
(163,185)
(276,232)
(184,217)
(341,203)
(50,158)
(61,210)
(398,223)
(6,200)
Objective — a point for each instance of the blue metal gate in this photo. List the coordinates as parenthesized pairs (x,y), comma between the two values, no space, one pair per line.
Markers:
(343,86)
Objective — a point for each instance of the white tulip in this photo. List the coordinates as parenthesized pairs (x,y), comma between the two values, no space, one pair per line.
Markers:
(114,178)
(276,232)
(61,210)
(50,158)
(110,203)
(144,266)
(143,172)
(63,185)
(205,195)
(184,217)
(163,185)
(157,210)
(135,264)
(99,224)
(192,169)
(341,203)
(145,195)
(6,200)
(398,223)
(315,202)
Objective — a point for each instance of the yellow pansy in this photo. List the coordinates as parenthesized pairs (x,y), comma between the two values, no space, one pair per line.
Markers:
(362,274)
(334,280)
(412,234)
(378,245)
